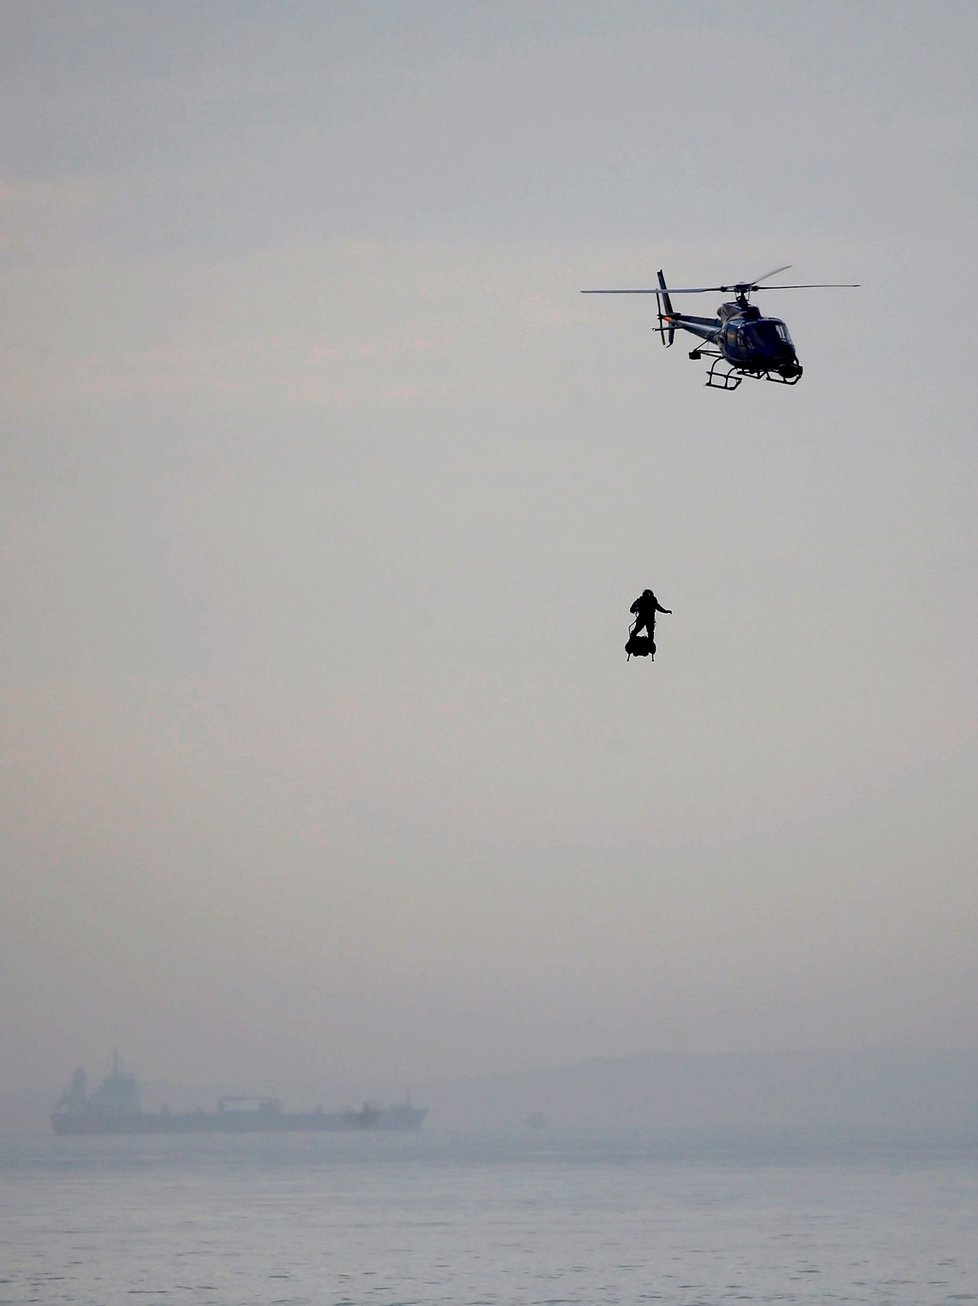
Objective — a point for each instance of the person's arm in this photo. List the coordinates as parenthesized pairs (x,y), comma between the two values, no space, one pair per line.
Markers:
(634,607)
(660,608)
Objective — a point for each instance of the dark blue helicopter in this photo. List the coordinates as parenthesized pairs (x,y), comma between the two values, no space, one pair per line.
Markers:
(739,340)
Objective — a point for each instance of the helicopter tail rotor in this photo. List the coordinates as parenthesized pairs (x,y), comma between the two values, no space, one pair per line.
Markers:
(666,329)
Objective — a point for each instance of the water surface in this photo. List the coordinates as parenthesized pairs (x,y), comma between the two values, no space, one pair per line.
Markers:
(466,1219)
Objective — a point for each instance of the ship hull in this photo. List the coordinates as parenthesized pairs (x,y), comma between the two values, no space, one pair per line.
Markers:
(215,1122)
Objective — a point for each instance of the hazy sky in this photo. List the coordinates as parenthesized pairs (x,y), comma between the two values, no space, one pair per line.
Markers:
(325,496)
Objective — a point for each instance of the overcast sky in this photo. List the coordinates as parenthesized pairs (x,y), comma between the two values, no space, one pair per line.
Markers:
(326,494)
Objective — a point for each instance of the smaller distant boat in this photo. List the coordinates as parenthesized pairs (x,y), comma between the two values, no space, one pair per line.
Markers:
(115,1107)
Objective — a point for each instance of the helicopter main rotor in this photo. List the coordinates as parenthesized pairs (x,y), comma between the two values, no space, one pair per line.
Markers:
(742,289)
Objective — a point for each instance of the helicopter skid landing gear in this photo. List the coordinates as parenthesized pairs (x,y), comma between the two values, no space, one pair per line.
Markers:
(720,380)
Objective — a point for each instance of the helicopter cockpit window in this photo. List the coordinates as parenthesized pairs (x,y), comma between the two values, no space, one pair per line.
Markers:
(760,336)
(763,336)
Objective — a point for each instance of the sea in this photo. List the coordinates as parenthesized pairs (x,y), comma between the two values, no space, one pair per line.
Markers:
(543,1218)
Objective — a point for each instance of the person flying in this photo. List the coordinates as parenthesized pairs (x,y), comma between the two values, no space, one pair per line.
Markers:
(644,609)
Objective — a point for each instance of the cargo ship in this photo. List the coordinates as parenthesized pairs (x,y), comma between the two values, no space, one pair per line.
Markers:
(115,1107)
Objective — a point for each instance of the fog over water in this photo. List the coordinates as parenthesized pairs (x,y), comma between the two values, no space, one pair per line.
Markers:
(326,493)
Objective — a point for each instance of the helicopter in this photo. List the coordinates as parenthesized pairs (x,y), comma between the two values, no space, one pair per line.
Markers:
(740,341)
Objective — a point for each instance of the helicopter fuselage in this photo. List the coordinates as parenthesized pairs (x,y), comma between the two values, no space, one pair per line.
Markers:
(753,344)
